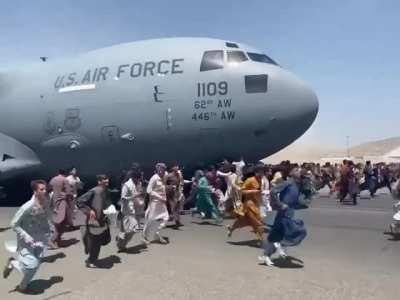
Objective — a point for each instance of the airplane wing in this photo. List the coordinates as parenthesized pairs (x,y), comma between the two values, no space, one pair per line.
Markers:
(15,158)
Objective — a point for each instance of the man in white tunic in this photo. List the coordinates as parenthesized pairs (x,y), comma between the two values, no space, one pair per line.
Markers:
(157,216)
(239,168)
(132,193)
(73,186)
(232,194)
(265,195)
(74,183)
(32,225)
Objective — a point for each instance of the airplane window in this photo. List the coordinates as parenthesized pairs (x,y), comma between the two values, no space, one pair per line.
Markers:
(261,58)
(256,83)
(236,56)
(212,60)
(231,45)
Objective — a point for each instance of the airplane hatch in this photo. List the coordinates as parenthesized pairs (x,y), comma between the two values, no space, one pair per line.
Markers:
(110,134)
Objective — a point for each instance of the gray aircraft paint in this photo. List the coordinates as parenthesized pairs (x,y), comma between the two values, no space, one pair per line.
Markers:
(142,103)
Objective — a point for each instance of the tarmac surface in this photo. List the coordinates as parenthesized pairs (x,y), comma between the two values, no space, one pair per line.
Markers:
(346,255)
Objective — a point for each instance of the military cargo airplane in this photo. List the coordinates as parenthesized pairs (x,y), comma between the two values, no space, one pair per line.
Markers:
(172,99)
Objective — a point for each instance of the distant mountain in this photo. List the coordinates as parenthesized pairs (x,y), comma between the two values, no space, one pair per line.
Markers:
(300,152)
(376,148)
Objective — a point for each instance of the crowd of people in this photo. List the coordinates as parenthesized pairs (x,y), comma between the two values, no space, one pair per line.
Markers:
(350,179)
(248,193)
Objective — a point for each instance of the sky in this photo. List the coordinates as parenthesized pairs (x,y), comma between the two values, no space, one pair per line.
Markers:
(347,51)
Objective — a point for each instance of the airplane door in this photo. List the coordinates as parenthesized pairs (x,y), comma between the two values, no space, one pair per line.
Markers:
(110,134)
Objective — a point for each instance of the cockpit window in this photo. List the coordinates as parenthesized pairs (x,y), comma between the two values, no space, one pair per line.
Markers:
(231,45)
(256,83)
(236,56)
(212,60)
(261,58)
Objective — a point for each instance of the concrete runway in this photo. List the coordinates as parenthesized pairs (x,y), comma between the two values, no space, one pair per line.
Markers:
(345,256)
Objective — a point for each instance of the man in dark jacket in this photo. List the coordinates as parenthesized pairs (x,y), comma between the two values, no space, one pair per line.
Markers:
(370,174)
(96,232)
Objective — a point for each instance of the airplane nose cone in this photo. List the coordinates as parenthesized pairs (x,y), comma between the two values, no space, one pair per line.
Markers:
(307,106)
(301,103)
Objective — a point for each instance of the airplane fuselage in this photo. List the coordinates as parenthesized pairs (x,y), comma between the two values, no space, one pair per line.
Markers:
(150,101)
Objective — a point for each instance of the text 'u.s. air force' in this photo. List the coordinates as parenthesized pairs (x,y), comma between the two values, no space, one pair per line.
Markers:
(139,69)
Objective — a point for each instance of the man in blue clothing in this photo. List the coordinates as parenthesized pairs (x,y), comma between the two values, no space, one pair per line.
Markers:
(286,230)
